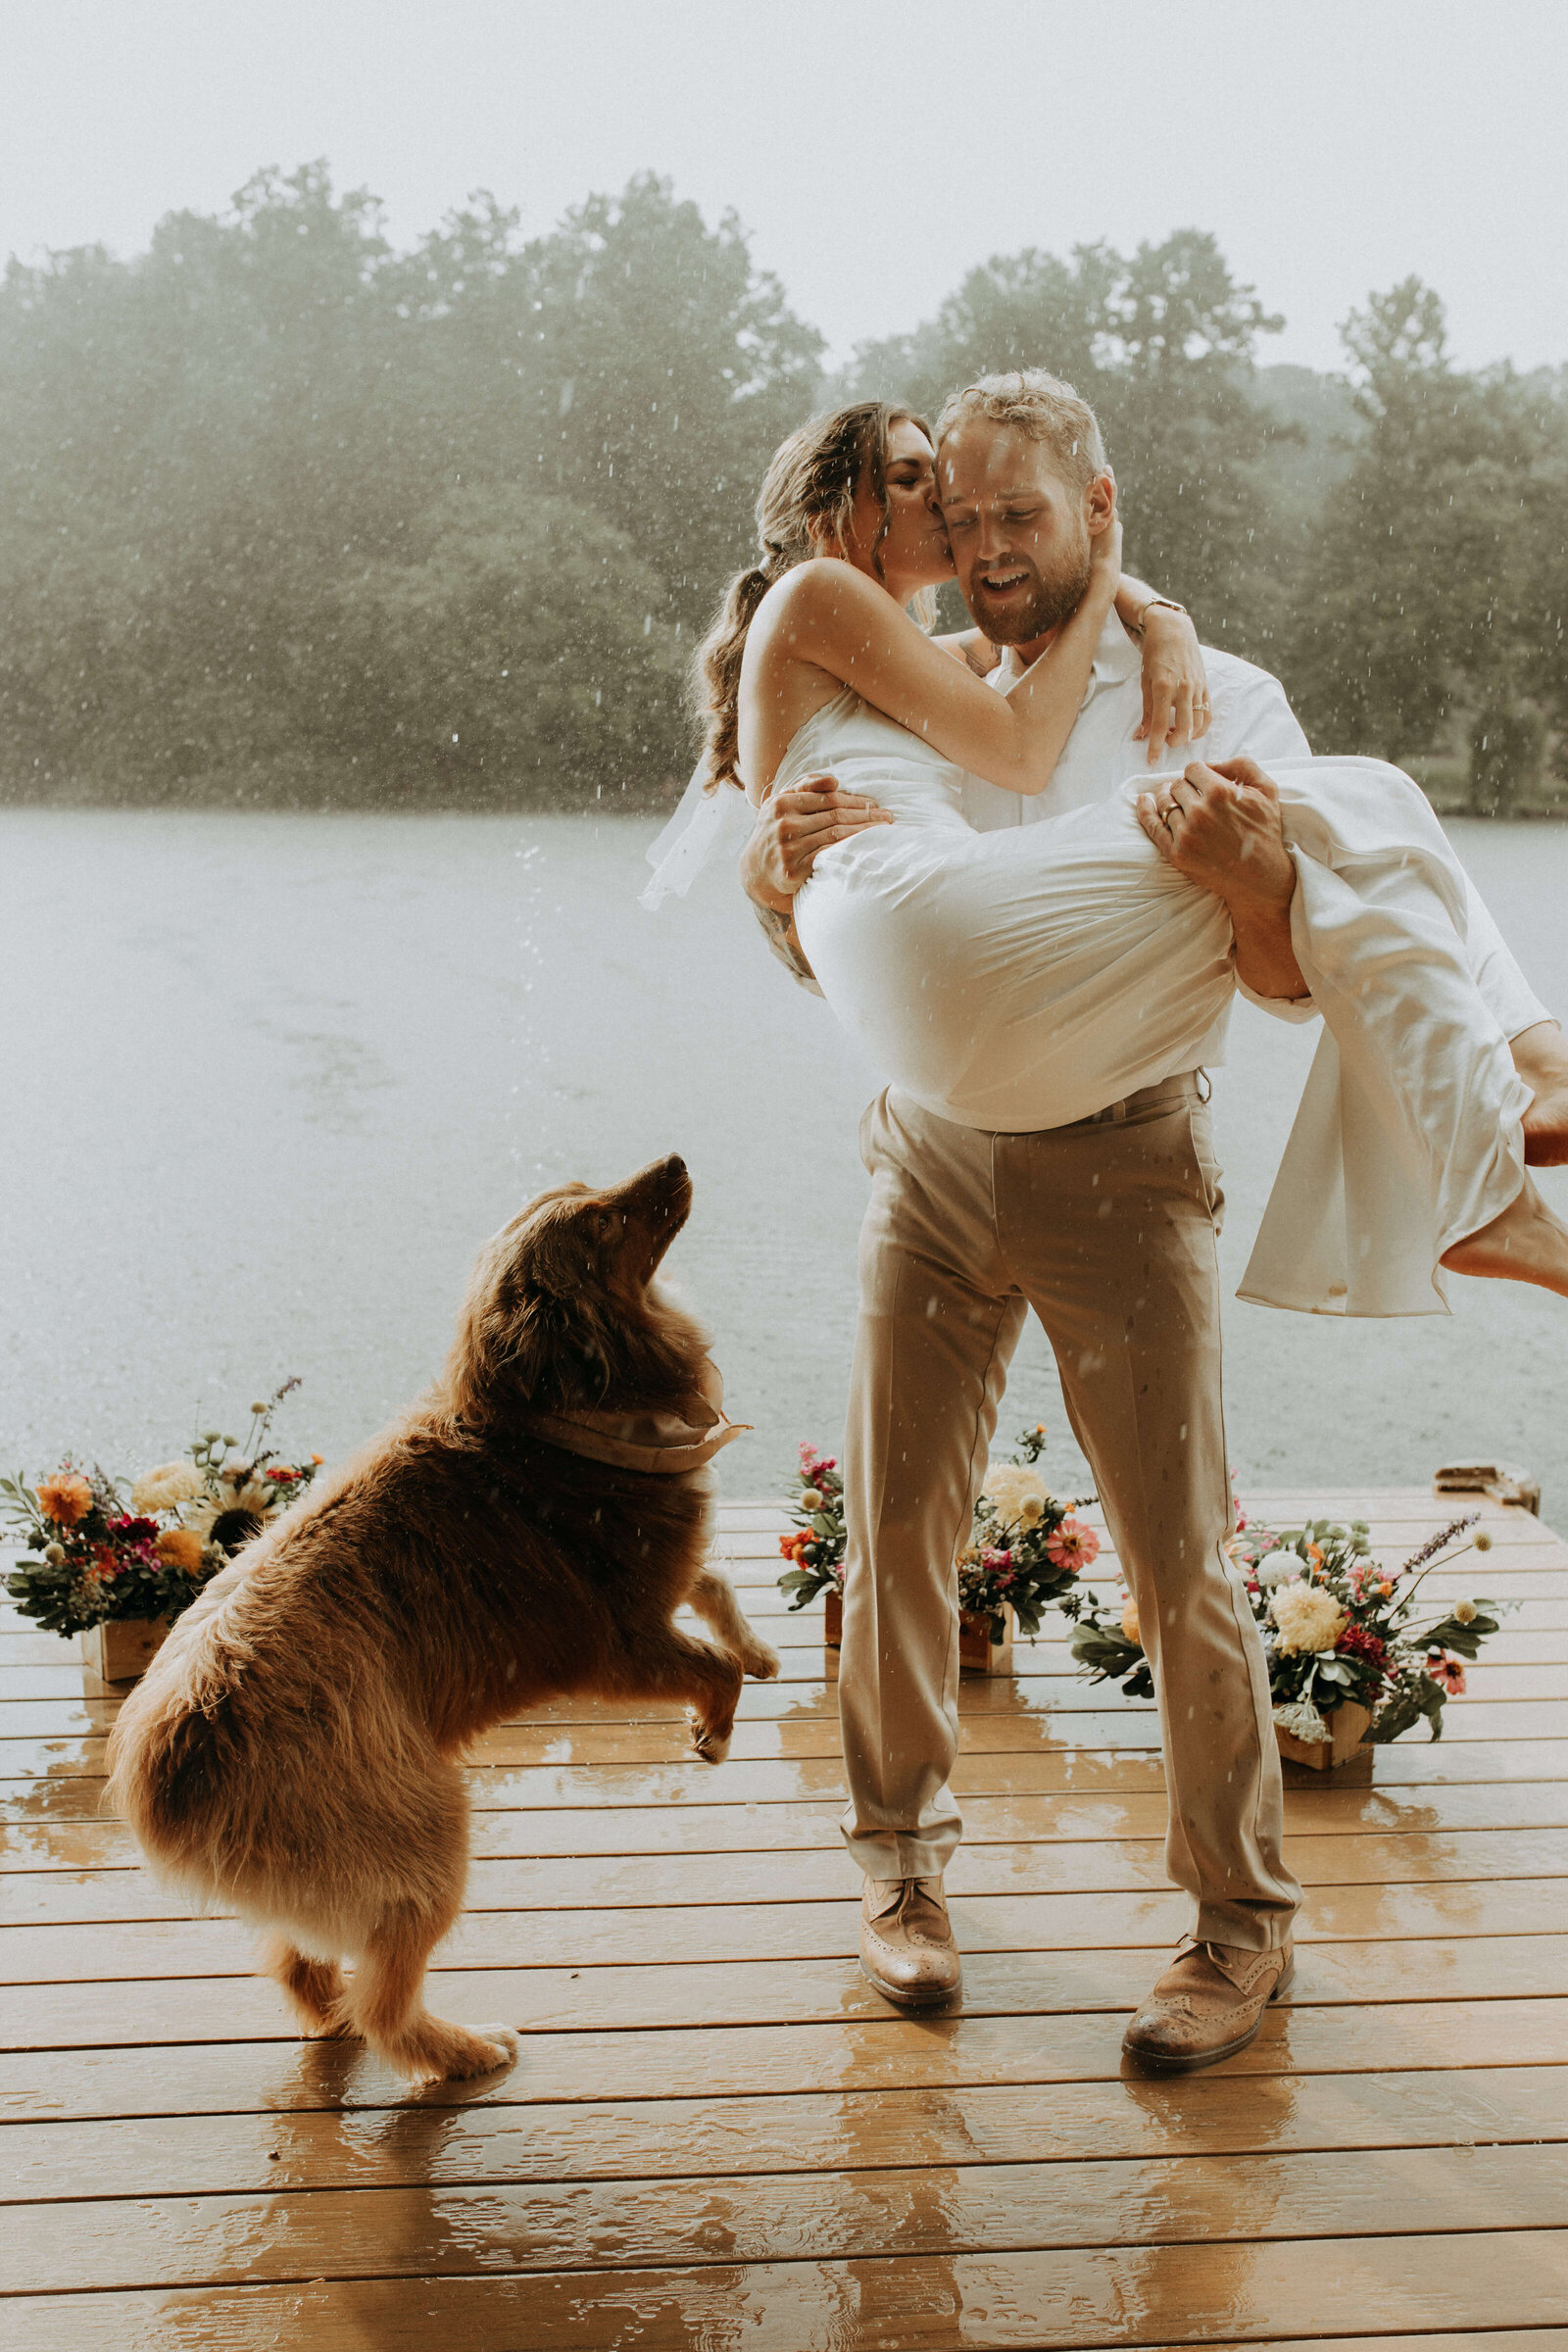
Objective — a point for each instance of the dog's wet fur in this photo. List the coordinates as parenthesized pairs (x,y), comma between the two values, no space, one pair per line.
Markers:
(292,1753)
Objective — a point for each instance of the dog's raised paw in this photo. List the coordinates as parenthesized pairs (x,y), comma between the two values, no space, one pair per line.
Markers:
(760,1662)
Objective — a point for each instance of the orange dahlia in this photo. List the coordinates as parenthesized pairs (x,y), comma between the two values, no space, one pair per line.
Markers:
(65,1497)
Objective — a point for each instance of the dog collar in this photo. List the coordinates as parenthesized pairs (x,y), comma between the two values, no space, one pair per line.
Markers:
(683,1438)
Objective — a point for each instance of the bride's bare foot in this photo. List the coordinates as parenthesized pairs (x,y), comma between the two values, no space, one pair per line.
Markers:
(1526,1244)
(1541,1058)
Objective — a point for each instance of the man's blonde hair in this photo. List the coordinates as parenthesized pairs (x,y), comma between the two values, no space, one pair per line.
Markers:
(1041,405)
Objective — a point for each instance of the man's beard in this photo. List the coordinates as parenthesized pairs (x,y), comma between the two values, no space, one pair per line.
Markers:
(1049,603)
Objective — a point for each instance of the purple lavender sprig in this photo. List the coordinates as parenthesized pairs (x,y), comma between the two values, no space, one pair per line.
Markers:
(1437,1542)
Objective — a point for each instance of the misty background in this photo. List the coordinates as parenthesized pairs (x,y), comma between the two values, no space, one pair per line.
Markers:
(310,500)
(383,395)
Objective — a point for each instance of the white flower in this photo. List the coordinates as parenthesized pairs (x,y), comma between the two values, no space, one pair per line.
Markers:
(1017,1495)
(1303,1720)
(1465,1613)
(1308,1617)
(1276,1567)
(165,1488)
(810,1498)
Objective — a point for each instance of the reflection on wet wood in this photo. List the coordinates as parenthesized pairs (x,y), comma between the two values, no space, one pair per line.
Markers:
(1011,2302)
(860,2053)
(1212,2115)
(427,2231)
(717,2133)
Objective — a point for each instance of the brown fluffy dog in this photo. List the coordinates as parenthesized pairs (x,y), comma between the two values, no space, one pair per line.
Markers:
(292,1753)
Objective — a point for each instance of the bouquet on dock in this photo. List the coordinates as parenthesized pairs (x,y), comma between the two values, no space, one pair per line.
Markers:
(98,1549)
(1337,1627)
(1025,1550)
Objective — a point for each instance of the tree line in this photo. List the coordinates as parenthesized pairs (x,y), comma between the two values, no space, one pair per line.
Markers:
(292,519)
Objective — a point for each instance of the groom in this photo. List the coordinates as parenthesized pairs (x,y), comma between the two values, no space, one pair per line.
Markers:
(1106,1228)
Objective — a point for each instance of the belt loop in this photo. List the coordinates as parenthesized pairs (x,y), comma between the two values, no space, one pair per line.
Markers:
(1206,1085)
(1119,1114)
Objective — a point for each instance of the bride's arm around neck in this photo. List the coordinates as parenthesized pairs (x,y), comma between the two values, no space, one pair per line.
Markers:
(828,625)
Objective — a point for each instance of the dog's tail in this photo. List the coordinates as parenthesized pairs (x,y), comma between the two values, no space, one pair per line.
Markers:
(174,1751)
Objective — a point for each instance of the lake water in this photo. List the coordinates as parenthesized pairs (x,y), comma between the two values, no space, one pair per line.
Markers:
(270,1079)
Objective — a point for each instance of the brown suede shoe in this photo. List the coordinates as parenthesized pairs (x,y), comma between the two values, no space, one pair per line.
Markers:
(1207,2005)
(906,1946)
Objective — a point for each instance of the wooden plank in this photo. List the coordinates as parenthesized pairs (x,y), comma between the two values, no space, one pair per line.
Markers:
(659,1993)
(1516,1663)
(850,2050)
(73,1845)
(1043,1705)
(1208,2115)
(624,1882)
(1010,2302)
(792,1931)
(424,2233)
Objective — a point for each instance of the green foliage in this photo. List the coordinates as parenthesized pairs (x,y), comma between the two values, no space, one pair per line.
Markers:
(1434,586)
(280,507)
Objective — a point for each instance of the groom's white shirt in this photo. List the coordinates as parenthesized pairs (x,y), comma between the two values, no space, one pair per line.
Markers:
(1251,718)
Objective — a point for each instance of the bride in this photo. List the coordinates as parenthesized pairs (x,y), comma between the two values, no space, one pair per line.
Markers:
(1019,980)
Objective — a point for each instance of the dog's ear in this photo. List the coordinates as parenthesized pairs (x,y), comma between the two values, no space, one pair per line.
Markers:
(535,1317)
(555,1346)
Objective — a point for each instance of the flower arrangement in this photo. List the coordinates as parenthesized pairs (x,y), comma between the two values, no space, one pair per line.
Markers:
(1025,1548)
(1337,1629)
(99,1548)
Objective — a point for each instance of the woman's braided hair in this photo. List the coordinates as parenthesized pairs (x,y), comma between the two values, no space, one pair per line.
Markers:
(812,479)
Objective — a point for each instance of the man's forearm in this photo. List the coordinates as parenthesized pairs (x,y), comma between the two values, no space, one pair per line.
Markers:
(1265,956)
(778,929)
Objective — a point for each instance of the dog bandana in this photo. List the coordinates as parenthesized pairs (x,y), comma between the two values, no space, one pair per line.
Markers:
(683,1438)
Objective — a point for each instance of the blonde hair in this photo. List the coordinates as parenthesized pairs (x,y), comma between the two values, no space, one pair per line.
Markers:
(812,479)
(1042,407)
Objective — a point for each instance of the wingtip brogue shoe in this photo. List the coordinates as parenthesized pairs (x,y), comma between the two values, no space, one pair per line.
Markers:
(906,1946)
(1207,2005)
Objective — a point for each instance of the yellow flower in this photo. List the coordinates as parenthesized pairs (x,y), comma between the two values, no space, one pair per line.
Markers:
(1481,1540)
(1465,1613)
(1017,1496)
(181,1547)
(1129,1620)
(1308,1619)
(65,1497)
(165,1488)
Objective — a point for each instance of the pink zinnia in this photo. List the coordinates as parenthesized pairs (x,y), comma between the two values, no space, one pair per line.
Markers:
(1449,1672)
(1073,1547)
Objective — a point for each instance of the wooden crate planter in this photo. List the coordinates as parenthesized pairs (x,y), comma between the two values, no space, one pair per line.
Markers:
(124,1647)
(978,1652)
(1347,1724)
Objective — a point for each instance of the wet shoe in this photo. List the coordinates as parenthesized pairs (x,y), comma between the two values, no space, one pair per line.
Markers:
(906,1946)
(1207,2005)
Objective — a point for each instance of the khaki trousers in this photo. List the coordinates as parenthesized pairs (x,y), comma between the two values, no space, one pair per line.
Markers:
(1106,1229)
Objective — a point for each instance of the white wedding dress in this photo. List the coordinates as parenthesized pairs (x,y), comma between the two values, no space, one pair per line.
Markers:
(1025,979)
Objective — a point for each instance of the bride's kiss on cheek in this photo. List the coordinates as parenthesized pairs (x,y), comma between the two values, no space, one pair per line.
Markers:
(997,856)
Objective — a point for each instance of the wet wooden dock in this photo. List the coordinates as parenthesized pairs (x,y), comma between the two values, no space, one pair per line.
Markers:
(718,2135)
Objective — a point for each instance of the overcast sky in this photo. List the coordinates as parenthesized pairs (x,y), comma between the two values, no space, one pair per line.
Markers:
(876,149)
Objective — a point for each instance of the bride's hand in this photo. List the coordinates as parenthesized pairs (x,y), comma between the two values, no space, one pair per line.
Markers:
(1176,704)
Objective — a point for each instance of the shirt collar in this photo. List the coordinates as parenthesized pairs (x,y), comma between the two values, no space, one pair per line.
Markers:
(1116,660)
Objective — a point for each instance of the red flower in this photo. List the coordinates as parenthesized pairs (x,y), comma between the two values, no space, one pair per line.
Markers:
(1356,1641)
